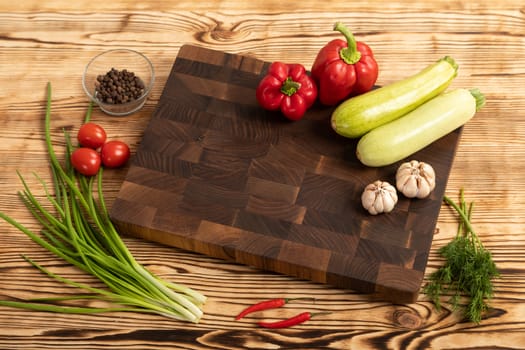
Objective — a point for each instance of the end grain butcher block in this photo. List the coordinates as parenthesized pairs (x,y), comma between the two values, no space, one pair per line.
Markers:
(218,175)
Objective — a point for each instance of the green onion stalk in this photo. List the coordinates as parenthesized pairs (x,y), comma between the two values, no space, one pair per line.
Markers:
(78,229)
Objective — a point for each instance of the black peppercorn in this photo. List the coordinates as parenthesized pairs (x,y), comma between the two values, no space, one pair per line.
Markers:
(118,86)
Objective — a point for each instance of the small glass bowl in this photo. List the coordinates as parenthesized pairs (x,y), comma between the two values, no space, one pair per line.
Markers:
(119,59)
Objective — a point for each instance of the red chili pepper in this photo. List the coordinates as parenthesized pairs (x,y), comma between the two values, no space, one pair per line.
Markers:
(287,87)
(292,321)
(267,304)
(344,68)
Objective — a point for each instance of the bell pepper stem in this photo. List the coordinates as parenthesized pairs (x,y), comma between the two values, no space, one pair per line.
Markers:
(290,87)
(350,54)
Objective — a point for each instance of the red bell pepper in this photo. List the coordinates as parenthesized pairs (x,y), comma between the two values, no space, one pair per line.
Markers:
(344,68)
(287,87)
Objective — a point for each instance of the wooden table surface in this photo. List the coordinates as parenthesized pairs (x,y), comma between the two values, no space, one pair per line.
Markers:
(52,41)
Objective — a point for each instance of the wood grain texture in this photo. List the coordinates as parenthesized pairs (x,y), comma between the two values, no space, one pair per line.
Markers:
(53,40)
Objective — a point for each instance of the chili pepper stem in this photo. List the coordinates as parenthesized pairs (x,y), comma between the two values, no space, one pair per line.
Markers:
(349,54)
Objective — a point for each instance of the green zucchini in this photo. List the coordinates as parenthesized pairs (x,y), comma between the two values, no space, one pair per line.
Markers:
(417,129)
(356,116)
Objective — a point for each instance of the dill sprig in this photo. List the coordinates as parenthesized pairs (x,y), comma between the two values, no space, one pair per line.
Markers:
(468,270)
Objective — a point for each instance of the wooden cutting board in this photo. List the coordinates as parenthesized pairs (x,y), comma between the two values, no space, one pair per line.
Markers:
(216,174)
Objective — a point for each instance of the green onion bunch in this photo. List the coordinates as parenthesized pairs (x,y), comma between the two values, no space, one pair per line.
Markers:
(78,229)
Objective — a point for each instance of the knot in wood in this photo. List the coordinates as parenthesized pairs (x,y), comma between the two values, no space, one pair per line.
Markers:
(407,319)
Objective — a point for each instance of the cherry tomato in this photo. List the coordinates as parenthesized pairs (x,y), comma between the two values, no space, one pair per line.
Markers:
(86,161)
(114,154)
(91,135)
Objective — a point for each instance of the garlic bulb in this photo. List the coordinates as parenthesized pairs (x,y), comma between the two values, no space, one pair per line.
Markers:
(415,179)
(379,197)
